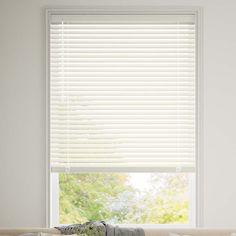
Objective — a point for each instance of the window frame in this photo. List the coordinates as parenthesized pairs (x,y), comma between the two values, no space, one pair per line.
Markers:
(192,205)
(196,191)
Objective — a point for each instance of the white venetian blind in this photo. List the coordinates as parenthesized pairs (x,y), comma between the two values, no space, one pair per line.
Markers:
(122,93)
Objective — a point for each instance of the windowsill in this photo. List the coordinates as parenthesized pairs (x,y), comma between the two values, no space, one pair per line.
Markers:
(158,226)
(151,226)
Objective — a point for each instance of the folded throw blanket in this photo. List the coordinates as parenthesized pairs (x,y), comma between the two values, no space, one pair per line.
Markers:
(95,228)
(123,231)
(92,228)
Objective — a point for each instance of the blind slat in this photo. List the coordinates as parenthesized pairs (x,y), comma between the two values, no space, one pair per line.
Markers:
(122,93)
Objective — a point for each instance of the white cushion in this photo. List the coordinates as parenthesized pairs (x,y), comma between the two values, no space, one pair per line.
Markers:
(173,234)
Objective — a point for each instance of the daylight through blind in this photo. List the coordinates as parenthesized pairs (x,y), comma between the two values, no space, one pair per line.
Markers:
(122,93)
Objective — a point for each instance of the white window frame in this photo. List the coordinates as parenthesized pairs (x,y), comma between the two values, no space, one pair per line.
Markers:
(196,192)
(192,205)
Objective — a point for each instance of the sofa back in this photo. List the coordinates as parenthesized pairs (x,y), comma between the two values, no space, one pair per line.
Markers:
(148,232)
(188,232)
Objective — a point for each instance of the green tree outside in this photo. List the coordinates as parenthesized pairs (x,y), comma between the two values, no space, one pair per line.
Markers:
(111,197)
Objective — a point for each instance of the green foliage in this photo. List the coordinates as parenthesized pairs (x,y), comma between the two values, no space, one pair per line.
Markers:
(111,197)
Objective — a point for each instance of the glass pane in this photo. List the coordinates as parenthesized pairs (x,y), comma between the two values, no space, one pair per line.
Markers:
(125,198)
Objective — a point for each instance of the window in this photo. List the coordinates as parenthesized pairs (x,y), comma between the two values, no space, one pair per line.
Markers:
(122,117)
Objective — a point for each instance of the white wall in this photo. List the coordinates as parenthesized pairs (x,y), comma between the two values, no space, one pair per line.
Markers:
(22,108)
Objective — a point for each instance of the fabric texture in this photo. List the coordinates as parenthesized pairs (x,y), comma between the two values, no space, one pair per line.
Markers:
(148,231)
(173,234)
(40,234)
(123,231)
(31,234)
(94,228)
